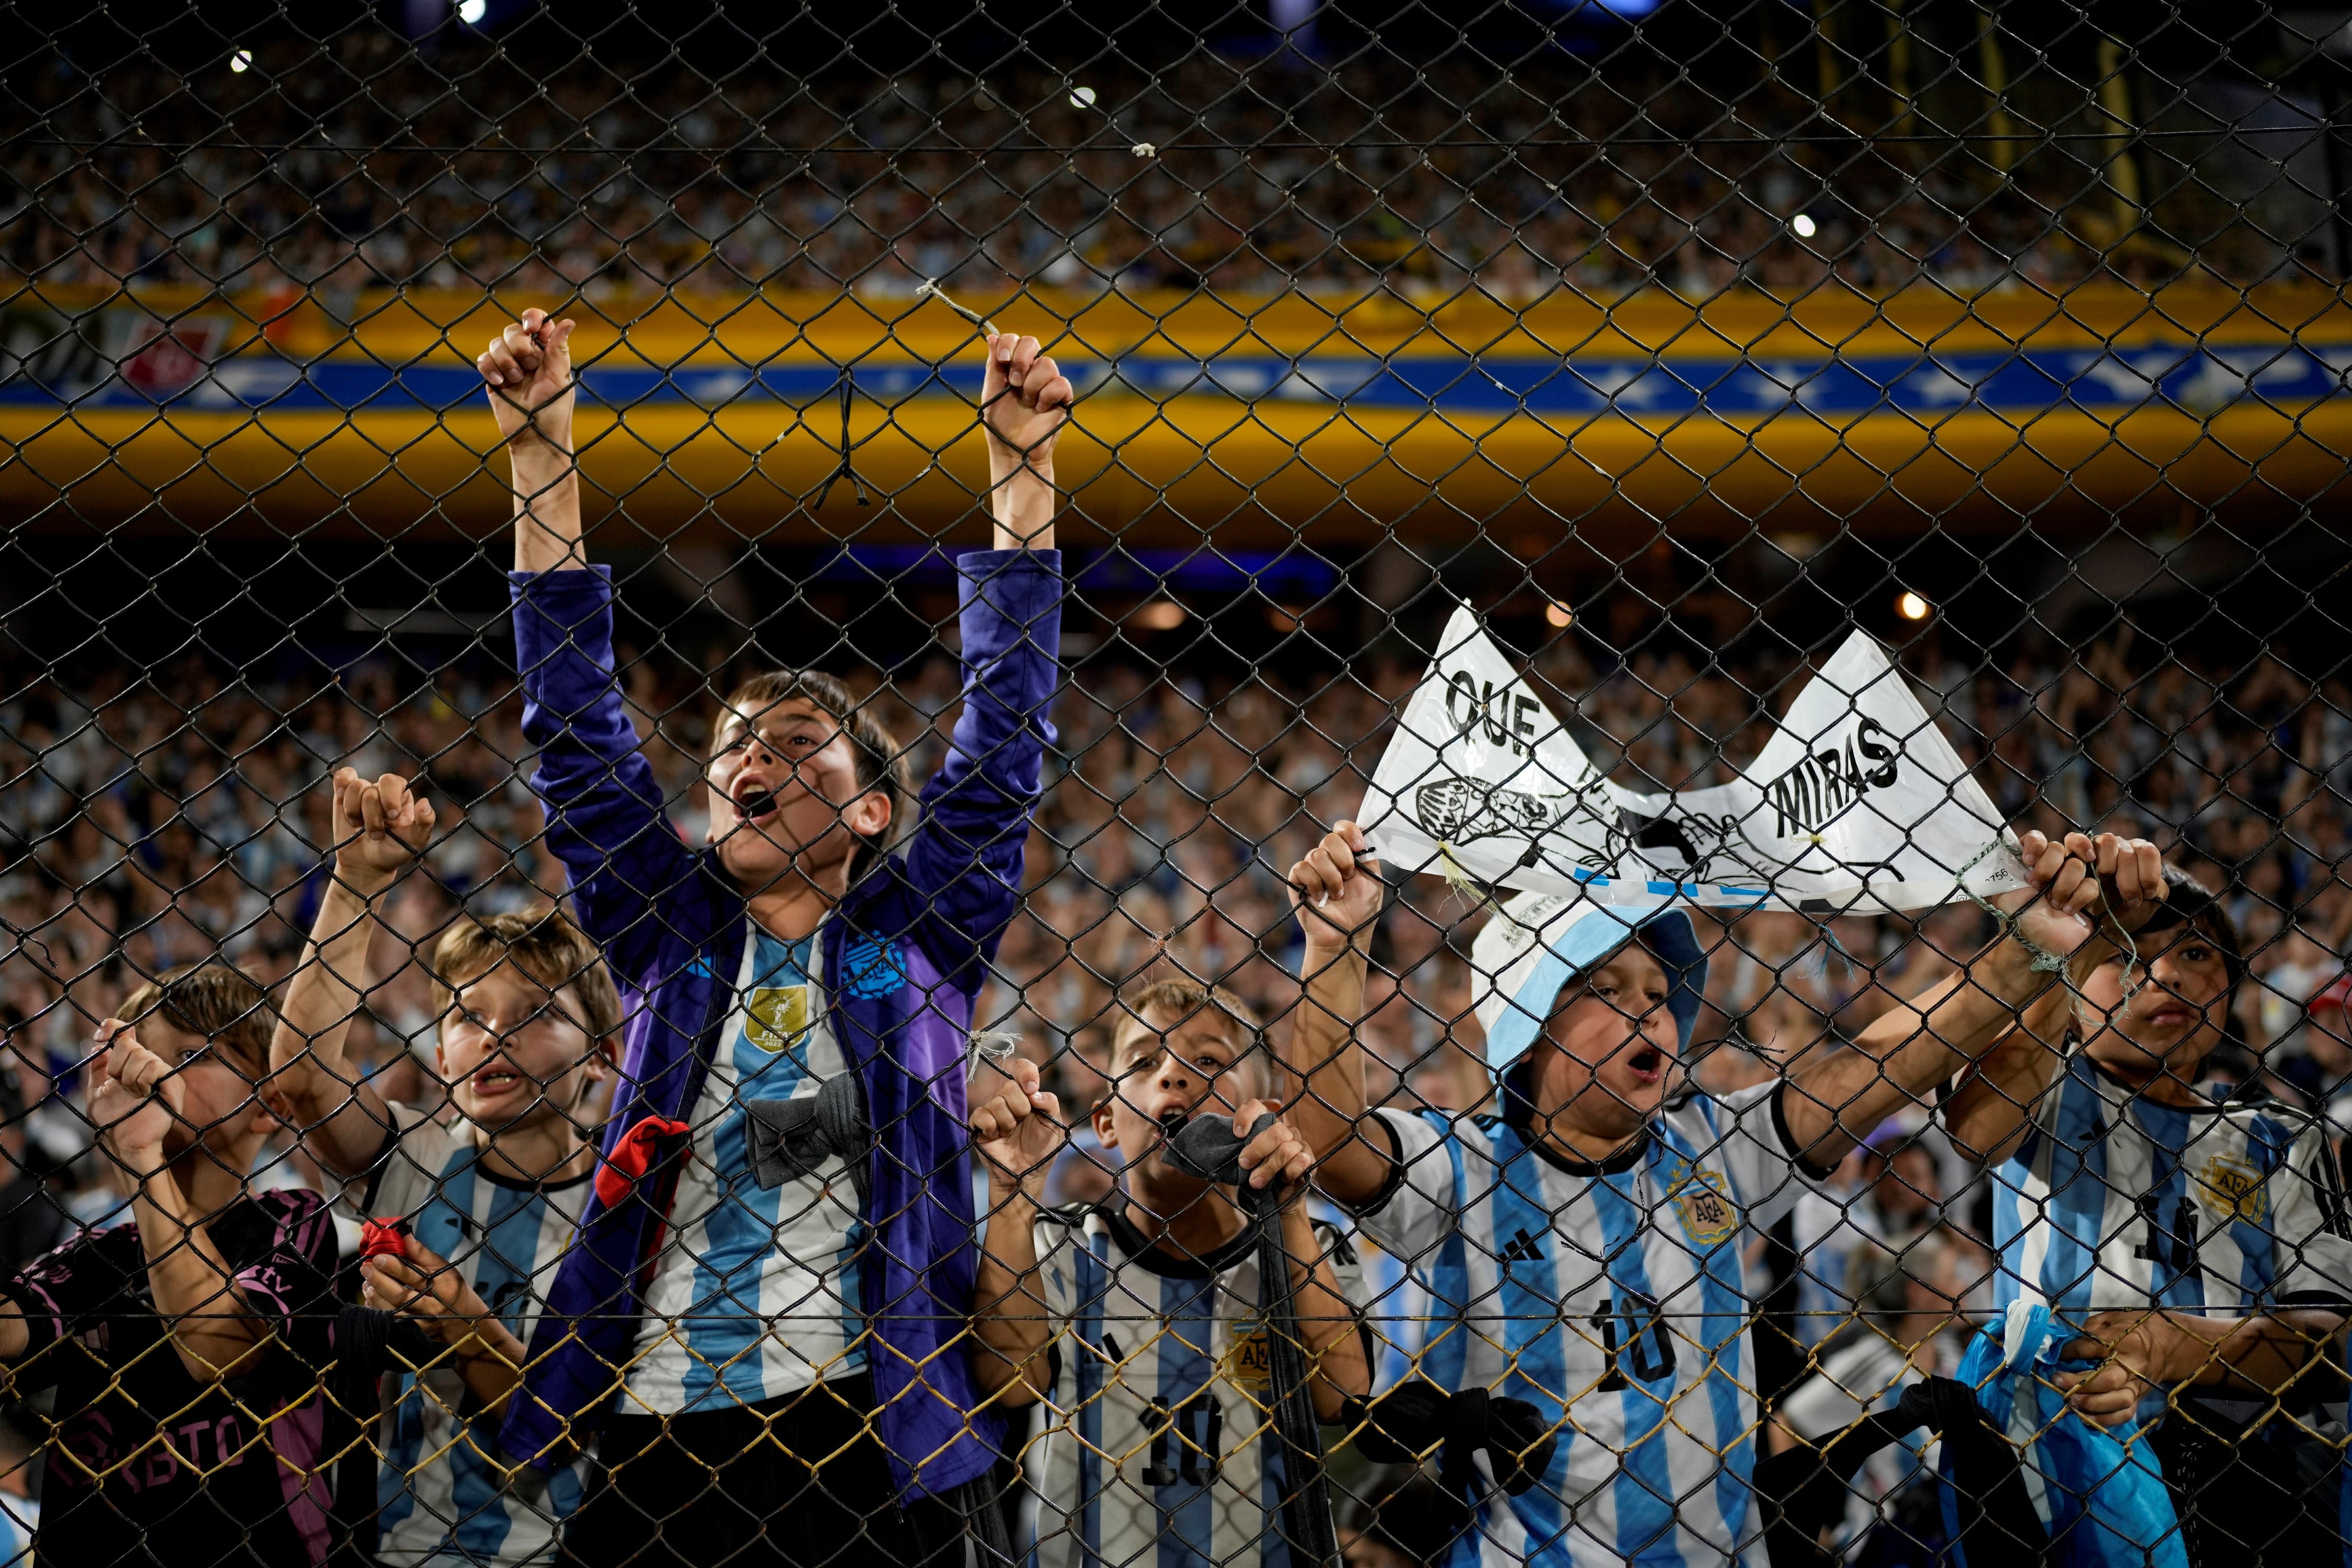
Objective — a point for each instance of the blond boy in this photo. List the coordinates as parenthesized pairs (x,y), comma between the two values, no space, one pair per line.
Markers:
(472,1213)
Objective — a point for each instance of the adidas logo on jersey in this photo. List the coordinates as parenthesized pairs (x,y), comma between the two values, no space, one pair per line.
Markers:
(1521,1249)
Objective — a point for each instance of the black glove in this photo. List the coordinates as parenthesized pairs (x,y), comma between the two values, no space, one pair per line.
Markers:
(1414,1417)
(370,1342)
(1206,1147)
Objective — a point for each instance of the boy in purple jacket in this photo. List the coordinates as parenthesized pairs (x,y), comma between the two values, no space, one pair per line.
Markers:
(762,1312)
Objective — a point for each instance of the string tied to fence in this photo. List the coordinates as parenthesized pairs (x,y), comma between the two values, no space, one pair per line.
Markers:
(2041,958)
(1084,98)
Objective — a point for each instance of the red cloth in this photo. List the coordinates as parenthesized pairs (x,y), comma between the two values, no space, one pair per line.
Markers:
(619,1173)
(384,1238)
(2335,996)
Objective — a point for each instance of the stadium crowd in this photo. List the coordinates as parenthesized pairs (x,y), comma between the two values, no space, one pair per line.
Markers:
(152,818)
(155,819)
(339,948)
(360,167)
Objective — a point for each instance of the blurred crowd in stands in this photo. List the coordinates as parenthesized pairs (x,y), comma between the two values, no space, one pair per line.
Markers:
(149,819)
(358,165)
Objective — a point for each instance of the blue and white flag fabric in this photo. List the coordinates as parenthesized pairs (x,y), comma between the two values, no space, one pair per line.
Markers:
(1856,804)
(2100,1496)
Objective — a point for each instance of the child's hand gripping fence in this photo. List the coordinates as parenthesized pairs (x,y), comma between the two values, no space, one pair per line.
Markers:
(1805,540)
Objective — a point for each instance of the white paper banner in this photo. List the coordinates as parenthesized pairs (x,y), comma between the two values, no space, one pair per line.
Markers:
(1857,803)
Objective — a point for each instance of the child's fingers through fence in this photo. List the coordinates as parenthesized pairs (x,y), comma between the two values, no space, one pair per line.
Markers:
(1277,1157)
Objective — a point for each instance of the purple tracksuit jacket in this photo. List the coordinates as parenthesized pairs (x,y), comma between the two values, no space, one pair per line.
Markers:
(905,954)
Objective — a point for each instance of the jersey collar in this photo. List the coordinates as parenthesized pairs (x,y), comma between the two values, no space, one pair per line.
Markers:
(1157,1258)
(1626,1159)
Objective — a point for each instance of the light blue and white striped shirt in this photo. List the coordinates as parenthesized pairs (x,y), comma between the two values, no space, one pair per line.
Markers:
(19,1518)
(1610,1296)
(2114,1202)
(1396,1313)
(442,1498)
(757,1292)
(1158,1445)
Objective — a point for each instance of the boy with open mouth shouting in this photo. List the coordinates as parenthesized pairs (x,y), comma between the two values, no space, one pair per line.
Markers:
(763,1310)
(1585,1243)
(1140,1321)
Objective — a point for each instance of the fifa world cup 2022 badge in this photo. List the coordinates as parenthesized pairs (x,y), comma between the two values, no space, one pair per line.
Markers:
(777,1016)
(2235,1189)
(1702,1203)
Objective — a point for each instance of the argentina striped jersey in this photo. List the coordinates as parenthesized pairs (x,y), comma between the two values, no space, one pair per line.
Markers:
(756,1295)
(442,1495)
(1611,1297)
(1158,1445)
(2114,1201)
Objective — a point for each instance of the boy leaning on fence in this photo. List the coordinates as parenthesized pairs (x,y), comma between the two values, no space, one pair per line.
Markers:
(765,1308)
(1141,1323)
(186,1346)
(2195,1244)
(1586,1242)
(466,1218)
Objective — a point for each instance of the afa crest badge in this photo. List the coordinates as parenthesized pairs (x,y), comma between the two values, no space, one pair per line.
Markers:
(1248,1361)
(2235,1190)
(1702,1202)
(871,970)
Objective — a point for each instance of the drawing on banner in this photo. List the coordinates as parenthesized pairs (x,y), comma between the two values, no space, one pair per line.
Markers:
(1693,846)
(1482,781)
(1459,811)
(1856,803)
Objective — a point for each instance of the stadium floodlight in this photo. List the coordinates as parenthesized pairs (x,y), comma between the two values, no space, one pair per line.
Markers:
(241,61)
(472,11)
(1911,607)
(1803,225)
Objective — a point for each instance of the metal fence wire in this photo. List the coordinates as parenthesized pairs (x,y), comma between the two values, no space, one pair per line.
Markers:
(1540,781)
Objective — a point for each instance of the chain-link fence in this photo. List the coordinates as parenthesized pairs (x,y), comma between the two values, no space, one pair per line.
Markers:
(1391,884)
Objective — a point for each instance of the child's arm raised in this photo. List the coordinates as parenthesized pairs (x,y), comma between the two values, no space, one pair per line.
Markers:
(215,1333)
(528,368)
(1832,1105)
(1337,891)
(604,815)
(1024,401)
(1989,1113)
(965,853)
(1017,1132)
(380,829)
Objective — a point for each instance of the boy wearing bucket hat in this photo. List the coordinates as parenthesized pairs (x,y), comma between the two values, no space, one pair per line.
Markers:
(1585,1243)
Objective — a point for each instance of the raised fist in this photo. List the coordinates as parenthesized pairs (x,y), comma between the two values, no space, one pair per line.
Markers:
(1336,891)
(1019,1130)
(135,1099)
(528,369)
(380,827)
(2058,912)
(1024,399)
